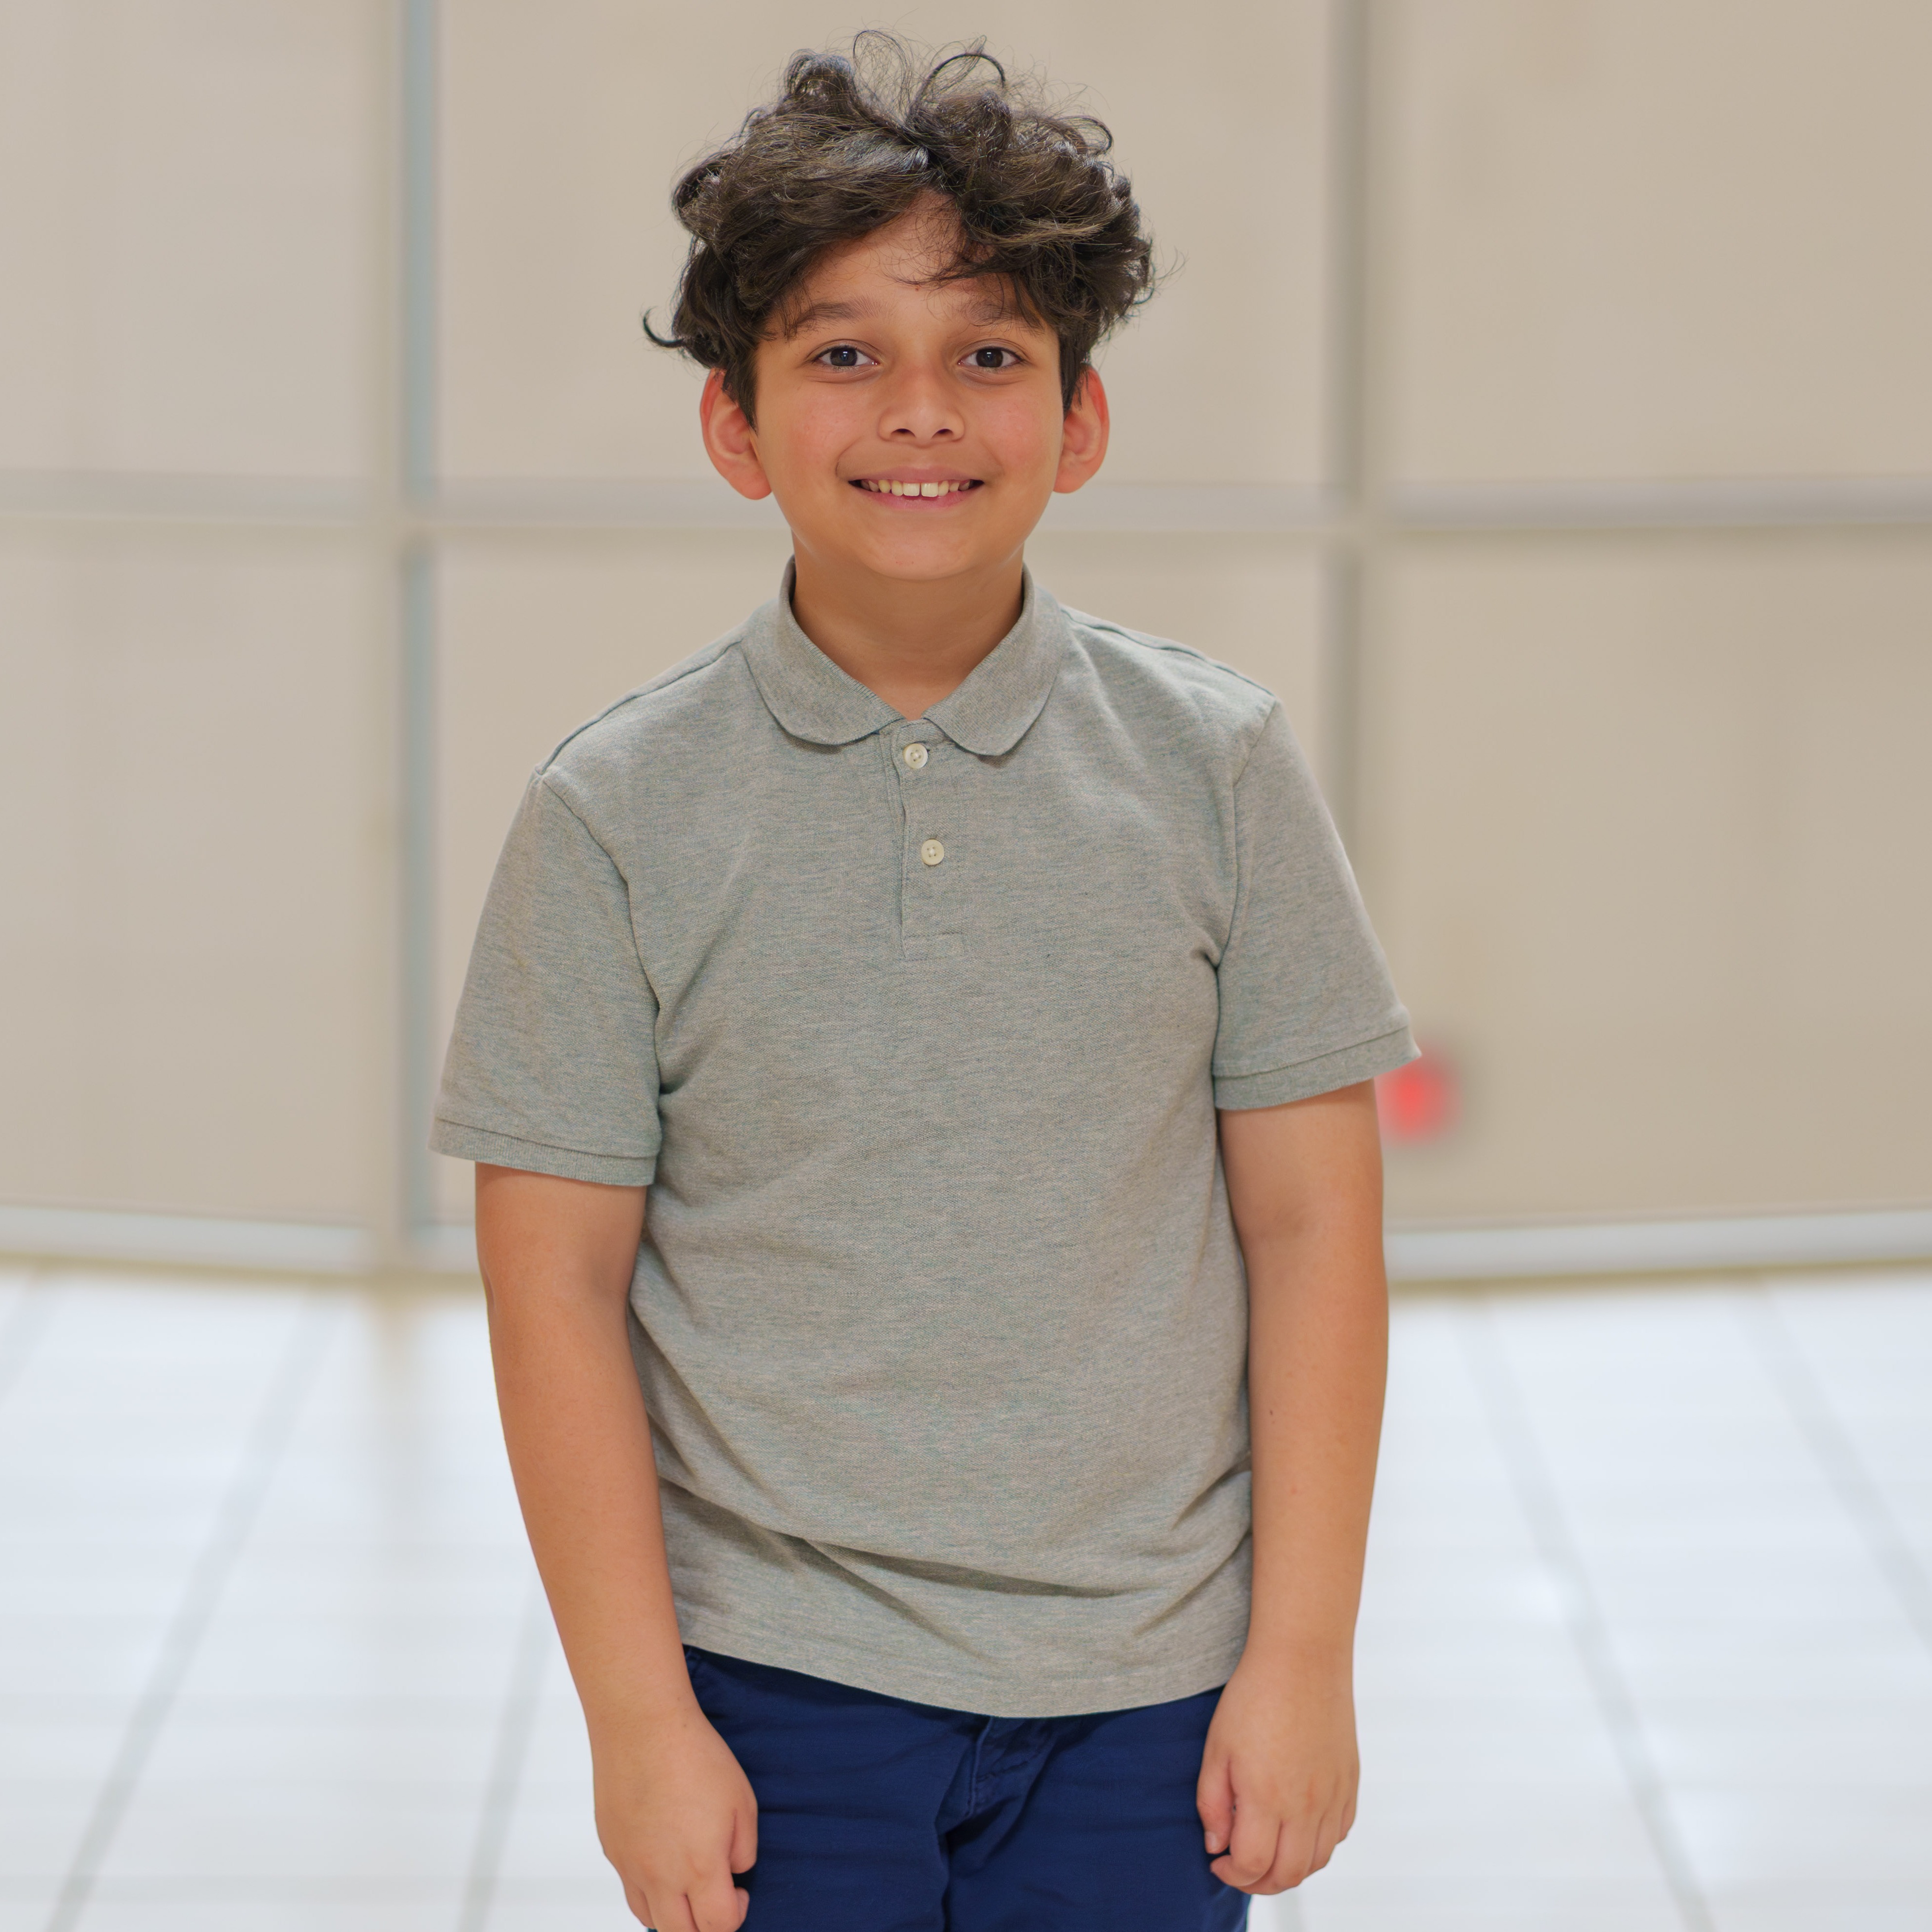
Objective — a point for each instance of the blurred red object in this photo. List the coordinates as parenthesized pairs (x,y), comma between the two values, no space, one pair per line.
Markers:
(1419,1101)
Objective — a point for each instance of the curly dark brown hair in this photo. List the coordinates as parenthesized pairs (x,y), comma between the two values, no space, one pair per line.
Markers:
(851,143)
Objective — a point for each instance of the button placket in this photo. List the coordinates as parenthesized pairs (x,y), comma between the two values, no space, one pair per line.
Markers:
(919,763)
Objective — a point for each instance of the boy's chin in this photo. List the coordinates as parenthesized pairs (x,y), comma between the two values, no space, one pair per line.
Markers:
(923,557)
(934,567)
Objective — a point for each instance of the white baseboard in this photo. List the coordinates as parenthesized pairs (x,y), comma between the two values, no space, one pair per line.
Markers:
(105,1234)
(1522,1250)
(448,1247)
(1500,1252)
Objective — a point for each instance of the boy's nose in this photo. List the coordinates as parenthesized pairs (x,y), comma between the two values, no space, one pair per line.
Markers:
(918,409)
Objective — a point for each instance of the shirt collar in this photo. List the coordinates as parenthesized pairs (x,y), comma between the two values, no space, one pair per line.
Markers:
(988,714)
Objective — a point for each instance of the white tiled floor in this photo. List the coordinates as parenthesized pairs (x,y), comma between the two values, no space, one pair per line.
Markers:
(1646,1646)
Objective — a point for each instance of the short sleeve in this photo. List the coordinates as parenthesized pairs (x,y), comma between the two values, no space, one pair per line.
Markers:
(1306,1004)
(552,1066)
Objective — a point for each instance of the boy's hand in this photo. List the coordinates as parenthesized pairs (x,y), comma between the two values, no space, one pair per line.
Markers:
(675,1815)
(1278,1777)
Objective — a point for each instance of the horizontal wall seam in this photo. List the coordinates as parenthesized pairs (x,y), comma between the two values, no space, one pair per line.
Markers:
(1718,502)
(566,505)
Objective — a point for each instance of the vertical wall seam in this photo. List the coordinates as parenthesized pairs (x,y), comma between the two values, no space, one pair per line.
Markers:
(416,398)
(1345,247)
(413,575)
(416,880)
(1344,453)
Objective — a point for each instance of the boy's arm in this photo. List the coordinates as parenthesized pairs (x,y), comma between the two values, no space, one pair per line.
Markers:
(675,1813)
(1278,1779)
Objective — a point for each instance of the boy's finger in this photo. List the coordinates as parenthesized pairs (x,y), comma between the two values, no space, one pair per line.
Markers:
(717,1905)
(744,1854)
(1304,1848)
(1294,1857)
(1251,1853)
(673,1916)
(1334,1829)
(1214,1799)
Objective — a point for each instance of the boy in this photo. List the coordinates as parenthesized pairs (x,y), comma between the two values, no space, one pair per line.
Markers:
(903,944)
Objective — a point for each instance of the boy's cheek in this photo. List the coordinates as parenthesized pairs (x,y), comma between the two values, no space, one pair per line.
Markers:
(1029,445)
(819,452)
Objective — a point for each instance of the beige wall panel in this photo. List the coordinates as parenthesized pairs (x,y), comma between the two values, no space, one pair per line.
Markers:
(1647,842)
(536,637)
(1638,238)
(185,889)
(1252,602)
(186,235)
(565,126)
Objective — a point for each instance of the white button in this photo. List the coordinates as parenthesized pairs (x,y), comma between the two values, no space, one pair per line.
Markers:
(915,756)
(932,851)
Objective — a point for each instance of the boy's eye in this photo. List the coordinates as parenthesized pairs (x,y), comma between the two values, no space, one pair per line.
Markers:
(842,355)
(989,359)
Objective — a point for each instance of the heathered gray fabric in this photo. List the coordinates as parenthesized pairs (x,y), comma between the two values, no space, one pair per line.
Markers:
(940,1318)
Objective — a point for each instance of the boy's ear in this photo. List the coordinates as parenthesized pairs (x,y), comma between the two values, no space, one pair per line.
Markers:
(1083,439)
(730,440)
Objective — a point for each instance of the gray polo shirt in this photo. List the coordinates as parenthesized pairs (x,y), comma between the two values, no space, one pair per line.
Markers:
(916,1027)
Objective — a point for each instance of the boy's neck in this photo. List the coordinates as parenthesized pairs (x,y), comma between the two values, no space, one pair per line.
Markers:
(910,644)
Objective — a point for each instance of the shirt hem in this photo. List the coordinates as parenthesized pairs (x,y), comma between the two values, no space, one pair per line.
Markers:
(990,1696)
(1272,1087)
(467,1143)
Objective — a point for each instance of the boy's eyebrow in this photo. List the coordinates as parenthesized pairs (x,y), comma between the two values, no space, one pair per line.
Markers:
(987,309)
(824,311)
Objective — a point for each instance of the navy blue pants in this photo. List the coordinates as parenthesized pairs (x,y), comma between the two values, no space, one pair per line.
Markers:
(878,1815)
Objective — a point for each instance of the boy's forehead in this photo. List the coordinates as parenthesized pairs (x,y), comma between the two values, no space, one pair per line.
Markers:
(852,280)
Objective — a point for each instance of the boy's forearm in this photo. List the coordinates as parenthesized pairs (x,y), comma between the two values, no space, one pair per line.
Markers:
(1304,1184)
(1318,1357)
(580,1451)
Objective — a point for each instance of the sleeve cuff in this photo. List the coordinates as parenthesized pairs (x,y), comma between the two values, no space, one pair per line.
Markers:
(452,1137)
(1326,1072)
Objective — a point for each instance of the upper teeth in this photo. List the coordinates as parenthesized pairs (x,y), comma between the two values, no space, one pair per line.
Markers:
(910,489)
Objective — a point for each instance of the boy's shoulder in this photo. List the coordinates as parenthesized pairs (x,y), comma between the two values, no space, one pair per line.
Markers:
(1173,681)
(659,716)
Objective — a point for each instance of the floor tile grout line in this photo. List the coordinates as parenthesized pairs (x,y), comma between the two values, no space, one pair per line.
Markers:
(1589,1628)
(1829,1440)
(266,1889)
(511,1754)
(24,1327)
(267,1436)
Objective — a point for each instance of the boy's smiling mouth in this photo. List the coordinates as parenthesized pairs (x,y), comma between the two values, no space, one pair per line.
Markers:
(917,489)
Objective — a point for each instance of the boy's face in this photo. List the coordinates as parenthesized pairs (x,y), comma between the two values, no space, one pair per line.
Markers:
(879,376)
